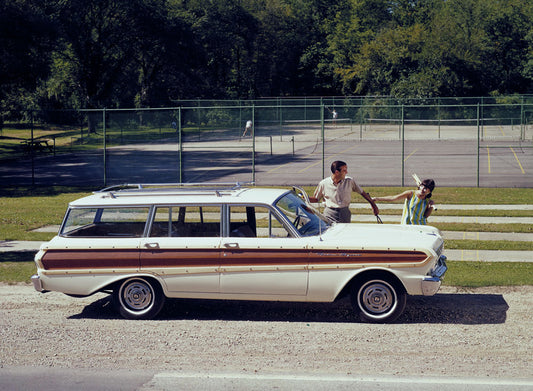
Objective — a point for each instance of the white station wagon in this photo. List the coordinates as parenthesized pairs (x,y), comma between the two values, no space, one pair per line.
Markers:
(148,243)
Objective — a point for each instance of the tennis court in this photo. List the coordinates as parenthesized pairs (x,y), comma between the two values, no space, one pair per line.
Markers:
(378,152)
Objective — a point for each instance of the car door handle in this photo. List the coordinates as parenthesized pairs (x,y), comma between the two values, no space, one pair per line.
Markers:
(231,245)
(151,245)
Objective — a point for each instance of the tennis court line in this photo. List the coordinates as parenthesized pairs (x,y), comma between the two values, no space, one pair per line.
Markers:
(514,153)
(411,154)
(312,165)
(286,164)
(518,161)
(320,161)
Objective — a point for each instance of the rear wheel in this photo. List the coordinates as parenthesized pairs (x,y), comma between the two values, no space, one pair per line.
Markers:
(379,299)
(138,298)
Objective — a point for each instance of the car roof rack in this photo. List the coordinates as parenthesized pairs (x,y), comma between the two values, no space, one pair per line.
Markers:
(131,189)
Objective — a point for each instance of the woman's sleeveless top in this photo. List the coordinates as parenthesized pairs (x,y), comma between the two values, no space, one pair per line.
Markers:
(413,210)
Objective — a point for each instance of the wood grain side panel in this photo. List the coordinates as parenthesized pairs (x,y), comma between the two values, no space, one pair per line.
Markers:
(258,257)
(180,258)
(90,259)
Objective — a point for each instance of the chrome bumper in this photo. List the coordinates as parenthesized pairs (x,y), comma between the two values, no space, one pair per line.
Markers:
(431,284)
(37,283)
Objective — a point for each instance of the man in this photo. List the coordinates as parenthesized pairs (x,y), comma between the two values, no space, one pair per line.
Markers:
(247,128)
(337,192)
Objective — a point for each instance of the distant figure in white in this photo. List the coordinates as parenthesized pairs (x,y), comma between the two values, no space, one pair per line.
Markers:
(334,115)
(248,128)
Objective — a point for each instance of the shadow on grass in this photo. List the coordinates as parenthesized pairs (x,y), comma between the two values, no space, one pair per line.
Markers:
(43,190)
(438,309)
(17,256)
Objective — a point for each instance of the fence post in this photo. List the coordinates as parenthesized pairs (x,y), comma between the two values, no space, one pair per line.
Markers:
(522,121)
(180,148)
(481,116)
(403,145)
(253,143)
(32,153)
(292,141)
(438,114)
(361,122)
(478,143)
(105,147)
(323,138)
(280,103)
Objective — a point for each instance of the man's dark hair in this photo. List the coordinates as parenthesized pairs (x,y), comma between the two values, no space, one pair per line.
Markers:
(337,165)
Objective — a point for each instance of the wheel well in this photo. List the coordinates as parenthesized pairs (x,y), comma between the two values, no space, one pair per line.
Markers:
(368,275)
(116,284)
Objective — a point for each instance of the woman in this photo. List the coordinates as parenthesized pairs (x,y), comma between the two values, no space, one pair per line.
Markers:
(417,206)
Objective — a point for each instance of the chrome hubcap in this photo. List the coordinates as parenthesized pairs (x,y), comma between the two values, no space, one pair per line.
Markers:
(377,297)
(138,295)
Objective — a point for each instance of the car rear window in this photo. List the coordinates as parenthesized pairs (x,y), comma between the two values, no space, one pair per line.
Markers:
(105,222)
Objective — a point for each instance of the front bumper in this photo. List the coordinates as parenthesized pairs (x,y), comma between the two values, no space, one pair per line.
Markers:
(431,283)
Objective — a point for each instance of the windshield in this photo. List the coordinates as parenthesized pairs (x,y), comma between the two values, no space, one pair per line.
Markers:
(305,219)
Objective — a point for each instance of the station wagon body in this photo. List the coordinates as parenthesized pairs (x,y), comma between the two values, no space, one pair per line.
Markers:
(146,244)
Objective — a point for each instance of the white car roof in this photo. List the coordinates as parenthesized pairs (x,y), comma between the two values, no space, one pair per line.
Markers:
(164,196)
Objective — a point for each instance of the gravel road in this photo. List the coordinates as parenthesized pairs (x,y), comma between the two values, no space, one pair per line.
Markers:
(484,332)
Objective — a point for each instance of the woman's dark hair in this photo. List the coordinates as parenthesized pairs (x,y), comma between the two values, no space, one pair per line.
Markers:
(337,165)
(430,184)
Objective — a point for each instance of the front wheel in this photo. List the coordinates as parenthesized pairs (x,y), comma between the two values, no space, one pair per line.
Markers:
(138,298)
(379,300)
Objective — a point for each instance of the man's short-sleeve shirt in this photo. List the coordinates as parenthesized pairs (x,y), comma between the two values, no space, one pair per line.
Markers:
(339,195)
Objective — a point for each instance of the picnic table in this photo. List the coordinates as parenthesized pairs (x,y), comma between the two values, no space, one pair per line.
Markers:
(39,145)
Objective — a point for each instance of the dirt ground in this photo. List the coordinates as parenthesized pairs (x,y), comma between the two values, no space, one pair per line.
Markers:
(483,332)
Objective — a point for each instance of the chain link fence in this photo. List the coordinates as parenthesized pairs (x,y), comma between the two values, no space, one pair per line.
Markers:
(483,142)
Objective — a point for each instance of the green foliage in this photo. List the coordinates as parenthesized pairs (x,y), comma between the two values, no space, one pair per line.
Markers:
(143,53)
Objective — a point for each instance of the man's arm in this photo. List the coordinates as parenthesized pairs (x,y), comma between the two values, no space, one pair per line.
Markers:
(367,197)
(317,195)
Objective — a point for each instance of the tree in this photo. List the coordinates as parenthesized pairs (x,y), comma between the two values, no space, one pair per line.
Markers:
(97,47)
(226,33)
(507,27)
(26,37)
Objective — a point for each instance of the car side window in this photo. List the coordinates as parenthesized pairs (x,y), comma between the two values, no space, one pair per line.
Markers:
(186,221)
(106,222)
(255,222)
